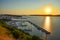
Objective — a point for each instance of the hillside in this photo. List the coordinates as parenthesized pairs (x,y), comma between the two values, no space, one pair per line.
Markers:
(8,32)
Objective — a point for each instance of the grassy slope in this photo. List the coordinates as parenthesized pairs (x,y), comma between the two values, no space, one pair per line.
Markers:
(8,32)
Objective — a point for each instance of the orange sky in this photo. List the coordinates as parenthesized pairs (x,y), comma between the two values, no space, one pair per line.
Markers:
(27,7)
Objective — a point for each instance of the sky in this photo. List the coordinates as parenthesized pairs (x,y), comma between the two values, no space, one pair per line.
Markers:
(28,7)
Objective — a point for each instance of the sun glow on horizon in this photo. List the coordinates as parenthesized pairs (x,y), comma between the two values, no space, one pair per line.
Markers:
(48,10)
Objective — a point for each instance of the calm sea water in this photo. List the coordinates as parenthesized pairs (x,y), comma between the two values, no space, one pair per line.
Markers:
(55,27)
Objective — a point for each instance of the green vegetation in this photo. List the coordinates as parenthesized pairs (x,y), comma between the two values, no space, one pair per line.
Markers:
(8,32)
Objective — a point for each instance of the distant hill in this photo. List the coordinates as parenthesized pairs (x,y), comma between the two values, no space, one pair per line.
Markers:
(8,32)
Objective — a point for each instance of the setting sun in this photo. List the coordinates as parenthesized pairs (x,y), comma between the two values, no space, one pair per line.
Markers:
(48,10)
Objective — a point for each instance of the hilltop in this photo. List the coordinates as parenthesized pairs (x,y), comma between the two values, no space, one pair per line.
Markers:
(8,32)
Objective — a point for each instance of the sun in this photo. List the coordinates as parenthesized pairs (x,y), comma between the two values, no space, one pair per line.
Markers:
(48,10)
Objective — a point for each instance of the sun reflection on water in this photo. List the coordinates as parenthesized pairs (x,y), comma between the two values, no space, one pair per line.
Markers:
(47,23)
